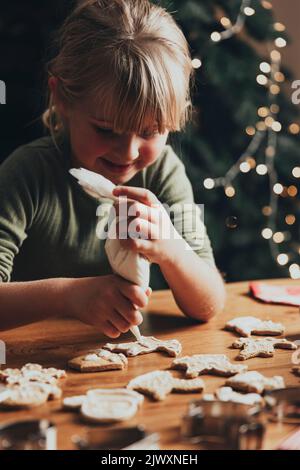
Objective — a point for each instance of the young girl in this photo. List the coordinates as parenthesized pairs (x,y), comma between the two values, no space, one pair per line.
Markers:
(118,86)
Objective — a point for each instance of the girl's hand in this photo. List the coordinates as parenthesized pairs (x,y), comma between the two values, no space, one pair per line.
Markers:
(147,219)
(110,303)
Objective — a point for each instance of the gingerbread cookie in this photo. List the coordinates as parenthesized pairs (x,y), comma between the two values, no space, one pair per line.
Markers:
(255,382)
(98,361)
(31,373)
(147,345)
(228,394)
(246,326)
(30,386)
(217,364)
(158,384)
(265,347)
(28,395)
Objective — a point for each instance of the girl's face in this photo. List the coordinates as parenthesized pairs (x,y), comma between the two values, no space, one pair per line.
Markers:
(117,157)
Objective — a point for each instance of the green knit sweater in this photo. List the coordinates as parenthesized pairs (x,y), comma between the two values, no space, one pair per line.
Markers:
(48,223)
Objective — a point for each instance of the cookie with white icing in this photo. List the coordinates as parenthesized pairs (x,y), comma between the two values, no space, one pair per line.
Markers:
(158,384)
(255,382)
(148,344)
(245,326)
(215,364)
(265,347)
(98,360)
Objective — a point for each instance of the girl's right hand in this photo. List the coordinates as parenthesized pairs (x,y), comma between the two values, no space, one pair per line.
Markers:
(108,302)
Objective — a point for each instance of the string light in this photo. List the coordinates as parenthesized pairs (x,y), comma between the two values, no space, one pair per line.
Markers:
(279,27)
(262,79)
(294,128)
(209,183)
(266,129)
(245,10)
(296,172)
(280,42)
(261,169)
(290,219)
(282,259)
(267,233)
(196,63)
(278,237)
(245,167)
(265,67)
(249,11)
(266,5)
(225,22)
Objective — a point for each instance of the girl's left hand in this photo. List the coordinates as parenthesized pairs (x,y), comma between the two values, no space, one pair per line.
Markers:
(148,219)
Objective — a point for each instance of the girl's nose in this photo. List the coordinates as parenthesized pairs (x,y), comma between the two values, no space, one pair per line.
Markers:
(128,148)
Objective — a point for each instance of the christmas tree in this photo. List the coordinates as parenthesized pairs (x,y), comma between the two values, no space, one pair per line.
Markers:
(246,128)
(236,99)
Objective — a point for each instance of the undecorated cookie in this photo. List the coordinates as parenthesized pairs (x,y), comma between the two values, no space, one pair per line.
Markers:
(198,364)
(158,384)
(110,410)
(255,382)
(147,345)
(98,361)
(246,326)
(251,347)
(100,400)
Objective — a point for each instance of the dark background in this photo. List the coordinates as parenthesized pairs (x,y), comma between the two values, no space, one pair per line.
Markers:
(226,99)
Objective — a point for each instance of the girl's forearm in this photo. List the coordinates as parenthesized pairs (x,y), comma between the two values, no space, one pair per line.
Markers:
(198,289)
(26,302)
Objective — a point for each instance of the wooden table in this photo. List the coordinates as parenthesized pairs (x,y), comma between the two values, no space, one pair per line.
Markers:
(53,342)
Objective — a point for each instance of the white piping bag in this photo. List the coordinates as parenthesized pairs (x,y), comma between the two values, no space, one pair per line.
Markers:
(127,264)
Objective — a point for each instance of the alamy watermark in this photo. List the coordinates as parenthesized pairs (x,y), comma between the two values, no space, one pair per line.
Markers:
(2,92)
(187,222)
(296,93)
(296,354)
(2,353)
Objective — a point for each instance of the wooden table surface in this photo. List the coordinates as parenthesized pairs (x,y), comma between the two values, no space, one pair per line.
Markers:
(53,342)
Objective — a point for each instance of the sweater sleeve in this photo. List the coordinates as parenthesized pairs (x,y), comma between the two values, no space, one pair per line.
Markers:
(169,182)
(20,183)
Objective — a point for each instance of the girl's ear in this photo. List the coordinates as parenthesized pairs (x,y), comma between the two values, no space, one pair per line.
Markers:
(53,83)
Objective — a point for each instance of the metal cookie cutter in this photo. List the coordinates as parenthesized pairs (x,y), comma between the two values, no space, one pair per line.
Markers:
(283,405)
(133,438)
(225,424)
(28,435)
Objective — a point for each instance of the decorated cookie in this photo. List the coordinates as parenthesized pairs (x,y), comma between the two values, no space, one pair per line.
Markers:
(31,373)
(147,345)
(265,347)
(98,361)
(228,394)
(198,364)
(158,384)
(255,382)
(246,326)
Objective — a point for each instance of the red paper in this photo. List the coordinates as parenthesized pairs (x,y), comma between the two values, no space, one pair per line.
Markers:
(289,295)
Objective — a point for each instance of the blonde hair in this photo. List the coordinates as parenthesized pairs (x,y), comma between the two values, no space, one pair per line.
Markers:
(131,57)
